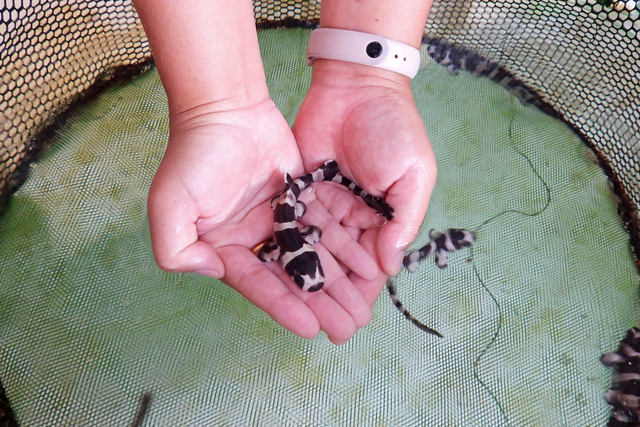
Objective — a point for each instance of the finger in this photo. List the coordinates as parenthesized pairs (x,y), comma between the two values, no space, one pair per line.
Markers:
(347,295)
(334,319)
(174,236)
(339,242)
(340,308)
(370,289)
(354,232)
(355,235)
(343,291)
(257,283)
(409,196)
(255,226)
(345,207)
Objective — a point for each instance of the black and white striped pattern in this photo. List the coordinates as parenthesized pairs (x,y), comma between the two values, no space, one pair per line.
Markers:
(457,59)
(293,245)
(441,243)
(624,396)
(391,287)
(450,241)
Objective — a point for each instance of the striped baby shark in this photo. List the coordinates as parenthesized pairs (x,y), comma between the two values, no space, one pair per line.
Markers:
(450,241)
(294,246)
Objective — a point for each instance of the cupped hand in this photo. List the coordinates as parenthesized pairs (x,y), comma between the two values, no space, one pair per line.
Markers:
(209,205)
(366,119)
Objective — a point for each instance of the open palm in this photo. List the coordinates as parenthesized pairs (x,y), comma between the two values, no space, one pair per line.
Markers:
(209,204)
(367,120)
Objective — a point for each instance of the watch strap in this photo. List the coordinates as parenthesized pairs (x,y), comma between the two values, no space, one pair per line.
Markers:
(363,48)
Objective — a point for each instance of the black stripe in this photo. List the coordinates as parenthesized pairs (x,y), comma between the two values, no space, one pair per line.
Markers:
(284,213)
(292,186)
(307,263)
(373,202)
(392,292)
(329,173)
(305,268)
(305,180)
(457,239)
(289,240)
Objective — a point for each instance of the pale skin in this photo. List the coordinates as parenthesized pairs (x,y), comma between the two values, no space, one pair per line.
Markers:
(229,147)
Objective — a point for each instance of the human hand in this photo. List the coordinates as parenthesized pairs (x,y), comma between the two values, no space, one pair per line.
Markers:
(209,204)
(366,119)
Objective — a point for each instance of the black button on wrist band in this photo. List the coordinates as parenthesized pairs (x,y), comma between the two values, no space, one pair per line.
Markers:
(374,49)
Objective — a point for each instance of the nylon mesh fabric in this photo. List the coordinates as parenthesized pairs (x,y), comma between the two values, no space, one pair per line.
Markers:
(89,323)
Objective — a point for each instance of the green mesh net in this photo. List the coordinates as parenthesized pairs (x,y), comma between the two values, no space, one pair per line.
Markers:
(89,323)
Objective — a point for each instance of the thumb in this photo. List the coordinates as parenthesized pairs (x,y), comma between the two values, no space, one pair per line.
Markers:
(409,197)
(174,236)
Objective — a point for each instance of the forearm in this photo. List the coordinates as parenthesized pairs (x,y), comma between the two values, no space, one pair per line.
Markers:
(399,20)
(206,51)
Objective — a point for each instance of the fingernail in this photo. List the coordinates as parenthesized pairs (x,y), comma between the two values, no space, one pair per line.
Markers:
(397,263)
(379,219)
(404,243)
(209,273)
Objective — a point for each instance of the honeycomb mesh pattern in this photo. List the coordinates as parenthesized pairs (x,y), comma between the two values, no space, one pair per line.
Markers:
(51,53)
(275,11)
(582,57)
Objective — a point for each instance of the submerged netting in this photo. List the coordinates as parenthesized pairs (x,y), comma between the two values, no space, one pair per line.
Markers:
(89,323)
(583,57)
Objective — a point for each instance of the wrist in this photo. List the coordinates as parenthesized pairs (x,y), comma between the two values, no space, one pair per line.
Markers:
(236,82)
(190,103)
(237,112)
(341,74)
(402,21)
(206,51)
(363,48)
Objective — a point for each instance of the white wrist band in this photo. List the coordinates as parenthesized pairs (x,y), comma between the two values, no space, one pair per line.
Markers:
(363,48)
